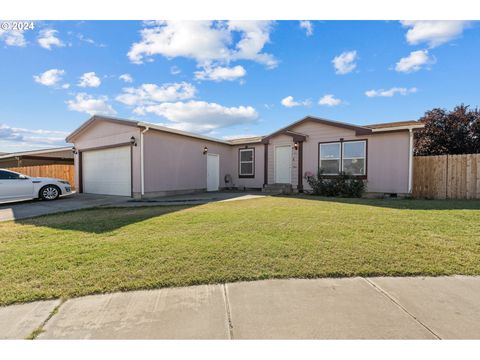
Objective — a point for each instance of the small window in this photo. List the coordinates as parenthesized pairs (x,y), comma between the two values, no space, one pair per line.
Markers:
(247,163)
(8,175)
(354,157)
(330,158)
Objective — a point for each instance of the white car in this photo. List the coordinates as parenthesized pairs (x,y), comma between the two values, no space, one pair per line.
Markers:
(15,186)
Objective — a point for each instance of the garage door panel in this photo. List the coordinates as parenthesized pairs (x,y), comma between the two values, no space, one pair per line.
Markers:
(107,171)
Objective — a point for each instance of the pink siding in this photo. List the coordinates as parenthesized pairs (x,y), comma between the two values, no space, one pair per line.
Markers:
(387,157)
(257,181)
(106,133)
(388,162)
(177,163)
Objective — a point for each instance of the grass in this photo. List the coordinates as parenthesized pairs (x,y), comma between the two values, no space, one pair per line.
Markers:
(105,250)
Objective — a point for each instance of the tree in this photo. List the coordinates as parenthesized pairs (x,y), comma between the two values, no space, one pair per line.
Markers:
(449,132)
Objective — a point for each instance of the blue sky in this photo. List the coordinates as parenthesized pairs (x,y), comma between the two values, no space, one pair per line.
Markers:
(228,79)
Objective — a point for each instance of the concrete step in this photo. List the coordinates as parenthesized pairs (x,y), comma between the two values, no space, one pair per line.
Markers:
(278,188)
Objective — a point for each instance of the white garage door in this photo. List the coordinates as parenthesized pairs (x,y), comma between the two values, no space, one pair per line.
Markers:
(107,171)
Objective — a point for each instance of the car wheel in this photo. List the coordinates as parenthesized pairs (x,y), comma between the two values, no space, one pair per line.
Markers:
(49,192)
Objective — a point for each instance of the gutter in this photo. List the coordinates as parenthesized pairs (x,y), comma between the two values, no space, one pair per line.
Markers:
(410,159)
(142,160)
(398,128)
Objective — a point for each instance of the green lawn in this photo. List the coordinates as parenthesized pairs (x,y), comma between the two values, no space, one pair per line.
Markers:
(104,250)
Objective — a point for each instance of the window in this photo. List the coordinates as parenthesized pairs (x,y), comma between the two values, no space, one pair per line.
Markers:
(330,158)
(354,157)
(349,157)
(246,167)
(7,175)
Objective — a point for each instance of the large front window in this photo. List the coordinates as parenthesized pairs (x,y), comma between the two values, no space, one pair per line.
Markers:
(246,163)
(349,157)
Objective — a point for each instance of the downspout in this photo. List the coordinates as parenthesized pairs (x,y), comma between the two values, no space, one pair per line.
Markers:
(410,160)
(142,160)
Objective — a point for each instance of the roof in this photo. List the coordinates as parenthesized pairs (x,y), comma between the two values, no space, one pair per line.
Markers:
(359,129)
(246,140)
(140,124)
(36,152)
(396,124)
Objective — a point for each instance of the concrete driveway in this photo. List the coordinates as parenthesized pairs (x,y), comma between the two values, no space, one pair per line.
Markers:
(32,208)
(350,308)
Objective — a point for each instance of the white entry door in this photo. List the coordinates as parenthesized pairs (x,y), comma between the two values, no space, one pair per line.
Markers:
(213,172)
(107,171)
(283,164)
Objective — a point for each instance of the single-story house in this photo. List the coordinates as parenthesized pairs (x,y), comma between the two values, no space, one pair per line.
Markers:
(58,155)
(139,159)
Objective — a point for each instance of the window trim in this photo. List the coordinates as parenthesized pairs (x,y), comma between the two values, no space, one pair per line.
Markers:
(246,176)
(341,142)
(340,148)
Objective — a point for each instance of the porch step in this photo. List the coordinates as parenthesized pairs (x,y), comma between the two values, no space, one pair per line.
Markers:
(278,189)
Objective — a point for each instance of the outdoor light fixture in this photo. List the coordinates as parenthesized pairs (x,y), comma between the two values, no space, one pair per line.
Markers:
(205,150)
(295,146)
(133,141)
(74,150)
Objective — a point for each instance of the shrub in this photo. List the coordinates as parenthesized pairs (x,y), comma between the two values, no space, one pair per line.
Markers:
(343,185)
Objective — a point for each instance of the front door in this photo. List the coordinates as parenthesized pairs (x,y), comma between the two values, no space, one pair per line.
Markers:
(283,164)
(213,172)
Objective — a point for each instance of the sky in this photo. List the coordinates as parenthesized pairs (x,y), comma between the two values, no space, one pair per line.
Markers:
(228,79)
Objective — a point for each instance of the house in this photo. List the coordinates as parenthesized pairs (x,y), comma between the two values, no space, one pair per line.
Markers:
(138,159)
(58,155)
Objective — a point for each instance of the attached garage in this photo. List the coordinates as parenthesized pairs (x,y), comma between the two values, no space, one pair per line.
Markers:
(107,171)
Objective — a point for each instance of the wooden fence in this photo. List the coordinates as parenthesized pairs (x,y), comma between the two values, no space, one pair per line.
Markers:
(447,176)
(58,171)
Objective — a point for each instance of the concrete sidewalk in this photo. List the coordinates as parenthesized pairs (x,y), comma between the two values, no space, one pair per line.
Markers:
(352,308)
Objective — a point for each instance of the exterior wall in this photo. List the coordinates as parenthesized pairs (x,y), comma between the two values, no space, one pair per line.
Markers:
(177,163)
(104,134)
(388,162)
(257,181)
(387,155)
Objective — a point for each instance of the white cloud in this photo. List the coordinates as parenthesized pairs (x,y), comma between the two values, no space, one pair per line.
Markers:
(414,61)
(220,73)
(433,32)
(308,26)
(175,70)
(90,105)
(345,62)
(90,41)
(390,92)
(329,100)
(50,77)
(201,116)
(150,94)
(290,102)
(89,79)
(205,41)
(126,77)
(14,139)
(48,38)
(13,37)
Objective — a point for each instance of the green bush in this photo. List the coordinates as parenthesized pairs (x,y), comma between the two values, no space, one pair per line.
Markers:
(343,185)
